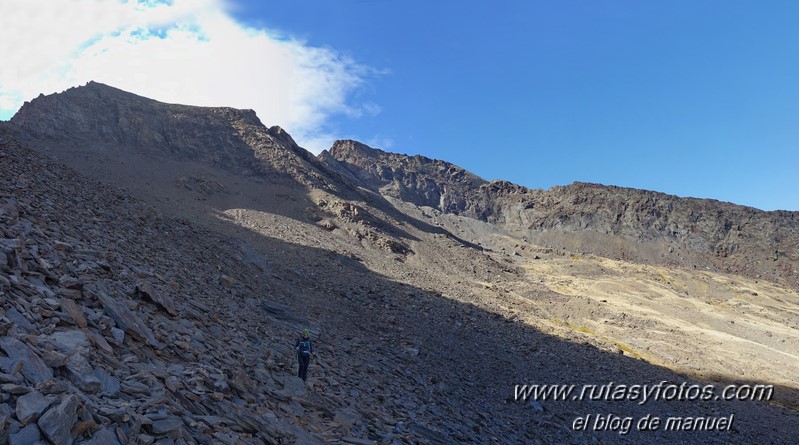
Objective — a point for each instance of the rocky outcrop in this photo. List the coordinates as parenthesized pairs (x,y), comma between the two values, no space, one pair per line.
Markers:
(730,237)
(415,179)
(98,114)
(100,119)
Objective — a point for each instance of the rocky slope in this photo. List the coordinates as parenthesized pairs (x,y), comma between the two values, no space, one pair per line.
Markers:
(114,329)
(194,272)
(121,326)
(119,136)
(101,121)
(613,221)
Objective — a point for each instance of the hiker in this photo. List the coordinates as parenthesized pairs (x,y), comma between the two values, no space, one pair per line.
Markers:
(304,349)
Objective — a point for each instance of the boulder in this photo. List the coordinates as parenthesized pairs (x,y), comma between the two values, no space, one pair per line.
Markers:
(33,368)
(30,406)
(71,308)
(18,319)
(293,387)
(128,321)
(109,385)
(30,435)
(75,345)
(167,424)
(103,437)
(149,291)
(58,421)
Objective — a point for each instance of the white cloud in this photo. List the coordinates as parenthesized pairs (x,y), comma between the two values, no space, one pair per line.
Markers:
(186,51)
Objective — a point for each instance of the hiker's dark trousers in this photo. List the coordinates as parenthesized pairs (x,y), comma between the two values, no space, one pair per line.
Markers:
(304,361)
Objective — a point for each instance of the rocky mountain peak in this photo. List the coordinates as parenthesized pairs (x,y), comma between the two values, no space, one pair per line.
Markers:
(348,148)
(417,179)
(102,96)
(97,121)
(98,113)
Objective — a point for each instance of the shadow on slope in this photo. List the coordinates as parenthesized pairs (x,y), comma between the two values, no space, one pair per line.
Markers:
(408,364)
(444,371)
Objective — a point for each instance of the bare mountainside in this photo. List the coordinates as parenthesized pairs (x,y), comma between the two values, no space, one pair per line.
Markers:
(106,125)
(626,223)
(223,239)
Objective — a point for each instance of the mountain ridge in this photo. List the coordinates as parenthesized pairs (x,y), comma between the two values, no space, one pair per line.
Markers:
(97,117)
(739,235)
(613,221)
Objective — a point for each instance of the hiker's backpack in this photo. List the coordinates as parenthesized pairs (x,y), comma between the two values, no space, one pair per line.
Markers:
(305,346)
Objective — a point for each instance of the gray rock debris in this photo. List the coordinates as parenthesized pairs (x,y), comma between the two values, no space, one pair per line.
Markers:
(58,421)
(222,375)
(166,425)
(30,435)
(20,320)
(32,367)
(103,437)
(128,321)
(150,292)
(75,345)
(30,406)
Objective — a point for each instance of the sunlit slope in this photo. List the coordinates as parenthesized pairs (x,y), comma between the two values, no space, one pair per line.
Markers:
(689,320)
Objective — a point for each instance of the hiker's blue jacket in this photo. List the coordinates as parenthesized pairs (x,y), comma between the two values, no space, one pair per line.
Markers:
(304,345)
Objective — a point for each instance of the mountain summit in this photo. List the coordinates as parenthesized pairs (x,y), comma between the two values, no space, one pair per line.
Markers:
(101,120)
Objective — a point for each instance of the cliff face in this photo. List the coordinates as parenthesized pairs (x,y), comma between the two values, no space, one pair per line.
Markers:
(746,239)
(415,179)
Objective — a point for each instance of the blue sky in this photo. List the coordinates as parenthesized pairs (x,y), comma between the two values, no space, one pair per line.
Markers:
(693,98)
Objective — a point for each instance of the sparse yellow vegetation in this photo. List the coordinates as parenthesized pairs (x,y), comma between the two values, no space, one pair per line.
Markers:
(580,328)
(627,349)
(679,318)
